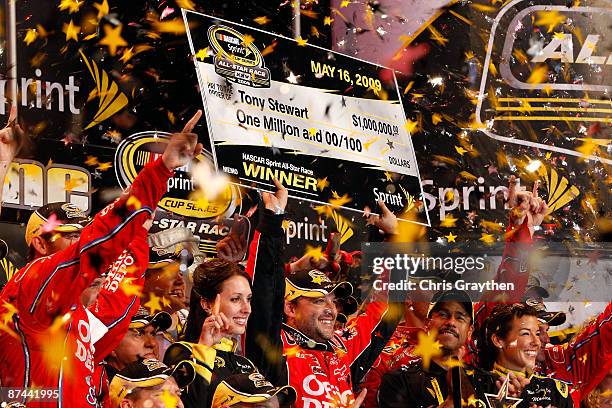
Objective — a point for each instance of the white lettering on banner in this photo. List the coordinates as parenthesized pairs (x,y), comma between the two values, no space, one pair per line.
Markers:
(195,227)
(564,41)
(461,197)
(23,87)
(306,230)
(388,198)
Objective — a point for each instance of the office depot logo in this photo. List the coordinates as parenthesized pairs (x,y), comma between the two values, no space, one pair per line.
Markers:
(546,66)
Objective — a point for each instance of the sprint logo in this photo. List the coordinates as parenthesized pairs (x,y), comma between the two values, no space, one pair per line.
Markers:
(111,100)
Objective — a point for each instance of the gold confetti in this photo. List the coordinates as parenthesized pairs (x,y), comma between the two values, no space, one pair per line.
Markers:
(263,20)
(112,38)
(437,36)
(31,36)
(153,304)
(314,252)
(128,287)
(186,4)
(322,184)
(538,74)
(102,8)
(427,348)
(104,166)
(269,49)
(448,222)
(71,31)
(550,19)
(71,5)
(487,238)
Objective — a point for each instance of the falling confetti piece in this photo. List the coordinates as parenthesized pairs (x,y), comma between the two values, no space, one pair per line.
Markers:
(153,304)
(71,31)
(538,74)
(102,8)
(112,38)
(186,4)
(263,20)
(427,348)
(71,5)
(104,166)
(338,201)
(31,36)
(448,222)
(550,19)
(488,239)
(314,252)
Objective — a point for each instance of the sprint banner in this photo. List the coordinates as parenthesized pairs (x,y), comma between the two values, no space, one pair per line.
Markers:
(324,124)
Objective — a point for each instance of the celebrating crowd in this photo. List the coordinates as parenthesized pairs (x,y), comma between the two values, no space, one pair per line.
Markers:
(102,316)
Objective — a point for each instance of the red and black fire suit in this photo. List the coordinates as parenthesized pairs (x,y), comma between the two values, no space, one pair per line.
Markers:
(585,360)
(323,374)
(47,334)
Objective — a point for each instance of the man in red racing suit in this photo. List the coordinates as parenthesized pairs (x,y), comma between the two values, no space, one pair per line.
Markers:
(40,306)
(323,370)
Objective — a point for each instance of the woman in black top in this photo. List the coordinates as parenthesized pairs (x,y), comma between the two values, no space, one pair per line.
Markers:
(509,343)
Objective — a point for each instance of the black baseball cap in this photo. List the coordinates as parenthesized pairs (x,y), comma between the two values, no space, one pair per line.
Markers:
(161,320)
(453,295)
(69,218)
(148,373)
(544,316)
(250,388)
(348,306)
(314,283)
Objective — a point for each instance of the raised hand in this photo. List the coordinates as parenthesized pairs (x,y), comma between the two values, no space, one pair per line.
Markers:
(278,201)
(387,221)
(183,146)
(10,138)
(215,326)
(234,246)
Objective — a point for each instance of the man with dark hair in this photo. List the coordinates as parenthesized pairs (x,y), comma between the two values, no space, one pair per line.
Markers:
(322,364)
(450,317)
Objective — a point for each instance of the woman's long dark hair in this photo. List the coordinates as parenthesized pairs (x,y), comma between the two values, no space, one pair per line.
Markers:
(499,322)
(208,281)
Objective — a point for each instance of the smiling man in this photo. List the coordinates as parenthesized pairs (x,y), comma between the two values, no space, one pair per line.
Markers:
(414,385)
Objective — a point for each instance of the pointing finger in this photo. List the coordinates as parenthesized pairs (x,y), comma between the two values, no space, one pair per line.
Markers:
(192,122)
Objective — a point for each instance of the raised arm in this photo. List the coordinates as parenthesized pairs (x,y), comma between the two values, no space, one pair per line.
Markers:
(263,345)
(10,139)
(539,208)
(366,335)
(62,276)
(512,192)
(119,297)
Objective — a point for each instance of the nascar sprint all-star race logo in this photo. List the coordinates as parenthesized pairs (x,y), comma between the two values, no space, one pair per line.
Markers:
(137,150)
(547,73)
(237,58)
